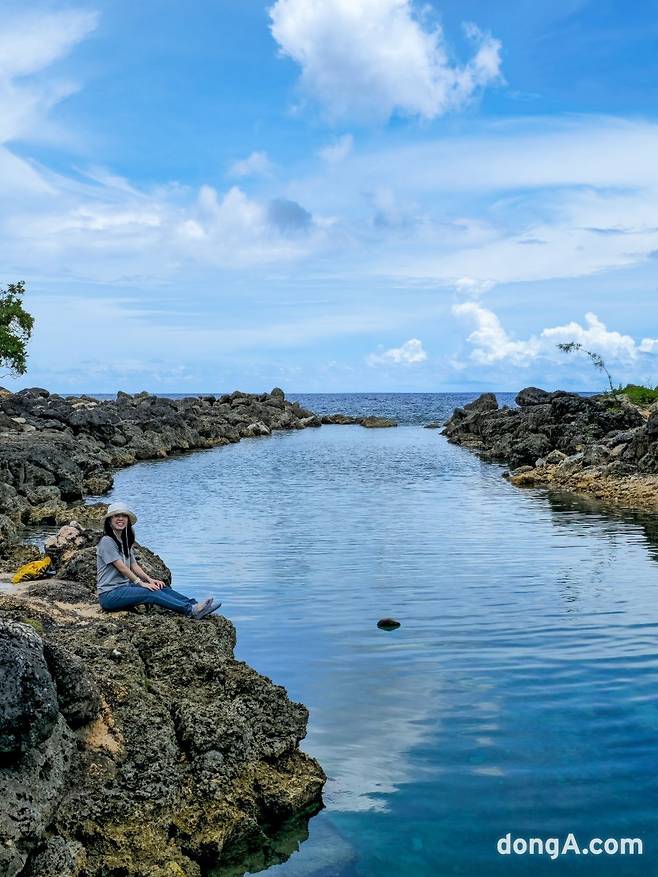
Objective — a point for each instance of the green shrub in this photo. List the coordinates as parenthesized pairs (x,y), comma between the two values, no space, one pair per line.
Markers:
(15,329)
(639,395)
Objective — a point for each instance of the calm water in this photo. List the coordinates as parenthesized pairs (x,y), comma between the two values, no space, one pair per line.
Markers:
(519,694)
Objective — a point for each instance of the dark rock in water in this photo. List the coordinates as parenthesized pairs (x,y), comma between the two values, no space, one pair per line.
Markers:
(341,419)
(433,424)
(388,624)
(313,420)
(377,422)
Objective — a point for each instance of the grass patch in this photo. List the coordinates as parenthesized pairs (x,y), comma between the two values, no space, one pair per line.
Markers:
(639,395)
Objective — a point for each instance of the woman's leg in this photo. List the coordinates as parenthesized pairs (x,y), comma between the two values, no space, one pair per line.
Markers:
(170,590)
(128,596)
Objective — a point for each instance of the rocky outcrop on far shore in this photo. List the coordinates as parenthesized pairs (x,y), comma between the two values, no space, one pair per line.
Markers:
(601,445)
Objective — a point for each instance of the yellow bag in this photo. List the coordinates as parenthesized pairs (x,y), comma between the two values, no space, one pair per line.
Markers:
(32,570)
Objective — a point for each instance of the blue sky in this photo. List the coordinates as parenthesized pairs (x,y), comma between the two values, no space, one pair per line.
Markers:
(331,196)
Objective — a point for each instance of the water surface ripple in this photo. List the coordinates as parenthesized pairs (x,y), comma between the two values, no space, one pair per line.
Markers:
(518,695)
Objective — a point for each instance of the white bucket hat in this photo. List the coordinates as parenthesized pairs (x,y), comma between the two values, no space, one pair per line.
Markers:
(120,508)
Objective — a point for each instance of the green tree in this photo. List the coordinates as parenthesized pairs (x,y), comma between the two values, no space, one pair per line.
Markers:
(15,329)
(597,359)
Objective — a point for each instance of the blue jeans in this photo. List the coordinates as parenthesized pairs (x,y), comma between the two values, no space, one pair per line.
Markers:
(127,596)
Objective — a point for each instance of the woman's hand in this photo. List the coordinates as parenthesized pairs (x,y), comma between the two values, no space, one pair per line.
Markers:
(159,583)
(153,585)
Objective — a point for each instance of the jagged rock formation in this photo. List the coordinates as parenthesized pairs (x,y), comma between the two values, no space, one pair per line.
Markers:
(600,445)
(134,743)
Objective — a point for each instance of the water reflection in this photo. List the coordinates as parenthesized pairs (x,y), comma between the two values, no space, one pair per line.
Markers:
(281,842)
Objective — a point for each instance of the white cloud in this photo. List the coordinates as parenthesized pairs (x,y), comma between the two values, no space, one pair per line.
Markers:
(373,58)
(594,336)
(257,164)
(514,200)
(338,150)
(29,43)
(490,340)
(469,287)
(409,353)
(33,40)
(519,154)
(492,343)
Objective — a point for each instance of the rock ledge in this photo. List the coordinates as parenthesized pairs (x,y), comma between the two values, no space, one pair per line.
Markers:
(134,743)
(597,445)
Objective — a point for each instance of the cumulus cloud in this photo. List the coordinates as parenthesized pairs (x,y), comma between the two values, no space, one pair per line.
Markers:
(288,217)
(257,164)
(338,150)
(409,353)
(595,336)
(492,343)
(490,340)
(370,59)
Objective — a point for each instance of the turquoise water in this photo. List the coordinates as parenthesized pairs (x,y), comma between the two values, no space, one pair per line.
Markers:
(519,693)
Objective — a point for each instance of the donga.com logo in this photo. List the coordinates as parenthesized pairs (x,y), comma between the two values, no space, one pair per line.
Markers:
(555,846)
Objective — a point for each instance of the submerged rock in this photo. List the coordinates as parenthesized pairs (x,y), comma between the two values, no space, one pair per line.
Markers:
(377,422)
(388,624)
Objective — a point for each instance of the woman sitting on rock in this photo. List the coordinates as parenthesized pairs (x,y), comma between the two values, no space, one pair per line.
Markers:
(121,581)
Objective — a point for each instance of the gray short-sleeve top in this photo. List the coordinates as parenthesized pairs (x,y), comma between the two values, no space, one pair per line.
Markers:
(107,575)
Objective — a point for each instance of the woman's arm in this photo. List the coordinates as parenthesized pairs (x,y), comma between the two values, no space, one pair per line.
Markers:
(134,577)
(144,576)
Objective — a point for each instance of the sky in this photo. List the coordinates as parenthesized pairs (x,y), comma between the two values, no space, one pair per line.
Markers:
(331,195)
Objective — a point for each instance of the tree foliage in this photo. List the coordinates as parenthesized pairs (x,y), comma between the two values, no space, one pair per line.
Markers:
(15,328)
(597,359)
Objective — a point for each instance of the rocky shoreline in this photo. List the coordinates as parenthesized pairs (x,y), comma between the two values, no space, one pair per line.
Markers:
(134,743)
(131,743)
(603,446)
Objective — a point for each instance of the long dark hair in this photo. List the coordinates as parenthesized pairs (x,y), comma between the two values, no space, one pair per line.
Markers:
(127,536)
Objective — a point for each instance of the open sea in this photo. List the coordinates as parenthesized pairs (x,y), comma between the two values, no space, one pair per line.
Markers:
(519,694)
